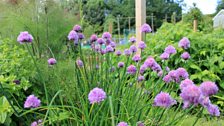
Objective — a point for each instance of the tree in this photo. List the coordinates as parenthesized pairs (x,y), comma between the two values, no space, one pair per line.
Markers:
(220,6)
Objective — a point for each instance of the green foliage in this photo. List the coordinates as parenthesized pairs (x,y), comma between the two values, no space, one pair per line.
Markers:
(47,21)
(15,66)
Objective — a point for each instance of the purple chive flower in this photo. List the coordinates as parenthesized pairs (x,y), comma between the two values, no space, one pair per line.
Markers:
(190,95)
(213,110)
(81,36)
(52,61)
(140,123)
(185,83)
(100,41)
(185,56)
(170,50)
(109,49)
(122,124)
(149,62)
(141,78)
(204,101)
(167,69)
(79,63)
(118,52)
(208,88)
(97,66)
(167,79)
(93,38)
(103,51)
(73,36)
(97,48)
(184,43)
(112,69)
(136,58)
(132,39)
(164,100)
(113,44)
(146,28)
(156,67)
(164,56)
(143,68)
(96,95)
(173,74)
(141,45)
(34,123)
(133,49)
(16,81)
(24,37)
(182,73)
(106,35)
(108,41)
(120,64)
(32,102)
(131,70)
(160,73)
(77,28)
(127,52)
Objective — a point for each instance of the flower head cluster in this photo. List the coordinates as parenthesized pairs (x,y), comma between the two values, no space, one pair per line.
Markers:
(106,35)
(184,43)
(79,63)
(100,41)
(131,70)
(25,37)
(127,52)
(132,39)
(185,83)
(120,64)
(122,124)
(136,58)
(112,44)
(164,100)
(118,52)
(141,78)
(151,63)
(190,95)
(208,88)
(213,110)
(109,48)
(36,123)
(96,95)
(185,56)
(77,28)
(142,68)
(164,56)
(32,102)
(81,36)
(176,75)
(133,48)
(52,61)
(73,35)
(141,45)
(146,28)
(93,38)
(170,50)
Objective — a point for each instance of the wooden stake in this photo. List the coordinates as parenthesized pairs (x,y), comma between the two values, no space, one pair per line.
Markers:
(140,19)
(195,25)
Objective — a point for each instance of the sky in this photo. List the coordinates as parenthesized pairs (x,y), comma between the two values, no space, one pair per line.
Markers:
(206,6)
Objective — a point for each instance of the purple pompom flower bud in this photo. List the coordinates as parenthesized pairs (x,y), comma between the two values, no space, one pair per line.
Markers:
(170,50)
(118,52)
(133,49)
(164,56)
(127,52)
(77,28)
(208,88)
(120,64)
(106,35)
(32,102)
(141,45)
(122,124)
(136,58)
(51,61)
(96,95)
(185,56)
(131,70)
(132,39)
(24,37)
(146,28)
(184,43)
(79,63)
(164,100)
(93,38)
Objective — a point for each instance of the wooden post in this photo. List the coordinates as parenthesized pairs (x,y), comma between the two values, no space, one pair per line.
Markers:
(152,23)
(140,19)
(129,23)
(110,29)
(195,25)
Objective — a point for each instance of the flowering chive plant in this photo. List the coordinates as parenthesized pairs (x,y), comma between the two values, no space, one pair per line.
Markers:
(107,87)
